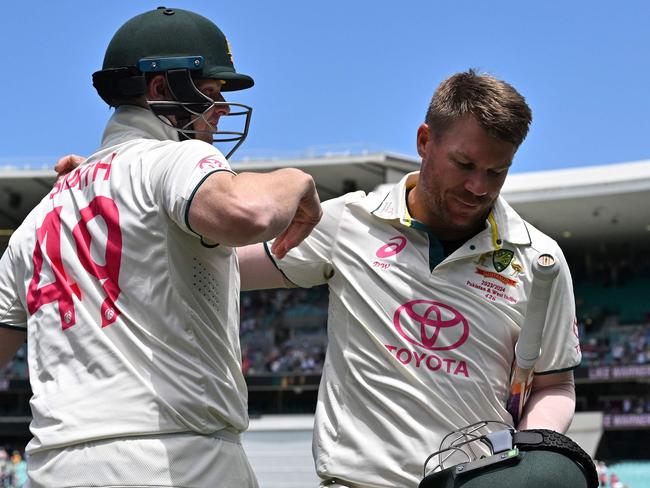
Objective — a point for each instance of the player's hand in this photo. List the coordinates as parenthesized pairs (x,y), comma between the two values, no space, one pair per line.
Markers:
(67,163)
(307,215)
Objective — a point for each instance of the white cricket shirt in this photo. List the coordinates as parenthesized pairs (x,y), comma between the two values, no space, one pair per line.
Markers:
(418,347)
(132,321)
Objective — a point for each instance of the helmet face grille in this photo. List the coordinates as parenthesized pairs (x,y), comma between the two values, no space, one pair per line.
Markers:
(195,115)
(185,114)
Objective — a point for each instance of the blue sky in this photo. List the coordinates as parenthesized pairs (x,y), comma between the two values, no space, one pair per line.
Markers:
(346,74)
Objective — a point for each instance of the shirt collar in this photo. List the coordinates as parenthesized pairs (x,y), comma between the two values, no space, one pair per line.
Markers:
(393,206)
(503,223)
(132,122)
(508,225)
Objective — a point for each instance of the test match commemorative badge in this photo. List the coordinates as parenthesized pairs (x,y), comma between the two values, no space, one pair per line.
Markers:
(501,259)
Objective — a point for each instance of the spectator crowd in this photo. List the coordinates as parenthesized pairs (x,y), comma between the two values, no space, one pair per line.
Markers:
(285,332)
(13,469)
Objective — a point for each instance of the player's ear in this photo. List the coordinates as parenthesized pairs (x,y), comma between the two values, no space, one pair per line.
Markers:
(157,88)
(423,138)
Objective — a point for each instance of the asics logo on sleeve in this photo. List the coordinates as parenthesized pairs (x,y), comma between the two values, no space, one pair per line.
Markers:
(392,247)
(207,164)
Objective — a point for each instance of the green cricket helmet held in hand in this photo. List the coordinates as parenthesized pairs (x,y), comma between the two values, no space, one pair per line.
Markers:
(184,47)
(536,458)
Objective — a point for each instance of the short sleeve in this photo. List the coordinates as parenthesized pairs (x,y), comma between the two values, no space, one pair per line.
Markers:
(178,170)
(310,263)
(12,312)
(560,342)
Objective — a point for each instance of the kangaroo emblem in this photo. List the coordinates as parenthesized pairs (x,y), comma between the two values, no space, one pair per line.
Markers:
(516,268)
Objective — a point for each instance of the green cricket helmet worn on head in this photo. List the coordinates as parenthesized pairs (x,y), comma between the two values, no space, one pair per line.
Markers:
(182,46)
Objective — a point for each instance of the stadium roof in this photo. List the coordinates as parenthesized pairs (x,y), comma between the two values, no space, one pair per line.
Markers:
(597,203)
(340,173)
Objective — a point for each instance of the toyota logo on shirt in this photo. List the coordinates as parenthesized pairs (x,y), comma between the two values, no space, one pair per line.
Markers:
(432,325)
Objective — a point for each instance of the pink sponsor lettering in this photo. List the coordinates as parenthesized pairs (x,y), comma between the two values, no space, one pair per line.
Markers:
(432,362)
(62,289)
(79,178)
(404,356)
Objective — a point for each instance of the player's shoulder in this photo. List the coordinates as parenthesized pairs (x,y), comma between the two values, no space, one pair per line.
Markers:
(541,242)
(346,199)
(337,209)
(337,205)
(524,233)
(192,154)
(160,148)
(156,162)
(23,237)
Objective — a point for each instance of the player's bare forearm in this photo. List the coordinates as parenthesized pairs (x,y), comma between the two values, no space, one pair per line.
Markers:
(257,271)
(282,204)
(551,404)
(10,342)
(251,207)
